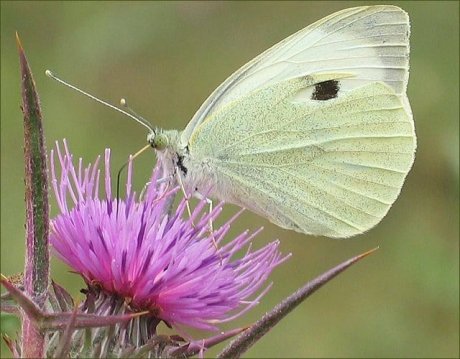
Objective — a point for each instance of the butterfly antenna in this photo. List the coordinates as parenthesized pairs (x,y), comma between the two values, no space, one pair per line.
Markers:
(131,114)
(128,109)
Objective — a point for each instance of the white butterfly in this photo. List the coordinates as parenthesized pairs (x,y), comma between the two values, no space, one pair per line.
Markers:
(316,133)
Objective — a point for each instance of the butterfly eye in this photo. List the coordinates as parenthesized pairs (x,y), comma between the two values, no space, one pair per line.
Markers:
(158,141)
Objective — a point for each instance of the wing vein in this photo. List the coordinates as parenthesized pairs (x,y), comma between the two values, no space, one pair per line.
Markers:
(373,166)
(283,190)
(334,197)
(344,26)
(357,38)
(353,177)
(359,193)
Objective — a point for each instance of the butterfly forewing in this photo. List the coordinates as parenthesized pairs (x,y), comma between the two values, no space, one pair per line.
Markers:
(372,42)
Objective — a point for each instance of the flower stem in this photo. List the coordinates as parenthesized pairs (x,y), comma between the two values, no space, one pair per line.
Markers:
(249,337)
(36,273)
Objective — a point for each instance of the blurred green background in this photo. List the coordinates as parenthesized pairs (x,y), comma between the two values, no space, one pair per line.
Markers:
(166,58)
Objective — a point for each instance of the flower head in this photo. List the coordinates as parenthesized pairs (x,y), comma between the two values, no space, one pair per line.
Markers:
(170,265)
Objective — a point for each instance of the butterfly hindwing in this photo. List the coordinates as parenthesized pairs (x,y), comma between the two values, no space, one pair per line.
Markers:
(327,167)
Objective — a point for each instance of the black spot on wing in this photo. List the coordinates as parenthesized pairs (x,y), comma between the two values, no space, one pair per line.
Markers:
(325,90)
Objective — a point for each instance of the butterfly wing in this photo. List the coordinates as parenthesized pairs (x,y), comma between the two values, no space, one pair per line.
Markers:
(315,134)
(372,42)
(324,167)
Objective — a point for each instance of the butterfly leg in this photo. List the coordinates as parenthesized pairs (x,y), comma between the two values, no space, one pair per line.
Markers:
(164,179)
(181,184)
(141,195)
(209,202)
(158,182)
(200,197)
(211,227)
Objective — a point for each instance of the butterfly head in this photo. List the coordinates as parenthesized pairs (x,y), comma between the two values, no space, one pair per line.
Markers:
(162,140)
(158,140)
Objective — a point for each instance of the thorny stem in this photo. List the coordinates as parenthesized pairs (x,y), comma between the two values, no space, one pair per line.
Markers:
(246,339)
(36,273)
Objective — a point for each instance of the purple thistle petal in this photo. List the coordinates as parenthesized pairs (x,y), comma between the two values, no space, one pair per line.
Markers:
(168,265)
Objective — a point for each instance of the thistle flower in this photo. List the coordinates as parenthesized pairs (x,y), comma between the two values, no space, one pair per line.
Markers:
(114,244)
(169,265)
